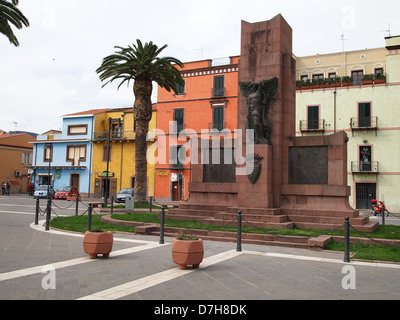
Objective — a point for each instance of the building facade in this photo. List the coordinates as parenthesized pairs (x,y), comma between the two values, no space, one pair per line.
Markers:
(118,152)
(65,159)
(206,104)
(357,92)
(16,153)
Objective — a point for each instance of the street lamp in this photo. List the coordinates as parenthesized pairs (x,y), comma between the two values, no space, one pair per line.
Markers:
(107,184)
(48,147)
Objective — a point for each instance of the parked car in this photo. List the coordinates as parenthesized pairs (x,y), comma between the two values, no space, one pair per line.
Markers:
(65,191)
(126,192)
(41,192)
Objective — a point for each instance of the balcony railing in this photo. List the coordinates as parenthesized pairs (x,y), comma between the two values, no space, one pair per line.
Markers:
(364,123)
(312,125)
(114,135)
(362,167)
(217,125)
(218,92)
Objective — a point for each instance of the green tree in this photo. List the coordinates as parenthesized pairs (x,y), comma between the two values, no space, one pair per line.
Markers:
(10,14)
(142,64)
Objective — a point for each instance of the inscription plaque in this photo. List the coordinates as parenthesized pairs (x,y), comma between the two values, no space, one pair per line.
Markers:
(308,165)
(221,173)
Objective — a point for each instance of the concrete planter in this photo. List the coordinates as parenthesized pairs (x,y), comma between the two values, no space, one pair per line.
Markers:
(187,252)
(95,243)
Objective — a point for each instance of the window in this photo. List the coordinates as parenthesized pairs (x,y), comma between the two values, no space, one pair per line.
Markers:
(379,71)
(218,118)
(175,153)
(332,75)
(219,89)
(304,78)
(178,118)
(26,158)
(77,129)
(317,76)
(180,89)
(76,154)
(48,153)
(365,158)
(357,77)
(313,117)
(364,114)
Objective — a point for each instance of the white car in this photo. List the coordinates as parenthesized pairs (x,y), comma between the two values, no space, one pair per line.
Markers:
(41,192)
(126,192)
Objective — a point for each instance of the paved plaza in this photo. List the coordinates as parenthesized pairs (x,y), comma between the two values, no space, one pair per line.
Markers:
(51,265)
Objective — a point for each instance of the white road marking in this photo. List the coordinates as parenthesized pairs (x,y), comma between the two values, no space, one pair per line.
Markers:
(155,279)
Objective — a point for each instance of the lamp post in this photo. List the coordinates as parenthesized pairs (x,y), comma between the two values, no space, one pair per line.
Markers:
(107,184)
(48,211)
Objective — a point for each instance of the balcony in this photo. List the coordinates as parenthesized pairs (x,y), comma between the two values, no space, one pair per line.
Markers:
(217,125)
(115,135)
(359,167)
(312,125)
(217,93)
(364,123)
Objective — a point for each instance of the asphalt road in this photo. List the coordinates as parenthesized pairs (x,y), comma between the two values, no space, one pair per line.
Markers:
(50,265)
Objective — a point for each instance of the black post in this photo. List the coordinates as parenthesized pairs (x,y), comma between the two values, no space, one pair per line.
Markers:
(76,205)
(151,204)
(37,212)
(383,214)
(89,224)
(48,214)
(112,204)
(347,240)
(239,232)
(162,220)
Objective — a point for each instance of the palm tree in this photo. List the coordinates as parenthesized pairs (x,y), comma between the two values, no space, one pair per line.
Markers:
(143,65)
(9,13)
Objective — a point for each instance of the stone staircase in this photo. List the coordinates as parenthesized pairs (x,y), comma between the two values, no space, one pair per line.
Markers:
(272,218)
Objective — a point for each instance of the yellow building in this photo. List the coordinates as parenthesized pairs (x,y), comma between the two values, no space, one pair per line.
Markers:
(121,164)
(358,92)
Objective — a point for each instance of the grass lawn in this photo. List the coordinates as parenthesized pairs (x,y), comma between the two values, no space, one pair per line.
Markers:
(368,252)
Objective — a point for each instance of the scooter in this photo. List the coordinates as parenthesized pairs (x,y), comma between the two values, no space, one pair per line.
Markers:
(377,209)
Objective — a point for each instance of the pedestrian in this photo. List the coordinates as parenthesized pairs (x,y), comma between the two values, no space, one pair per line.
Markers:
(3,188)
(8,188)
(30,189)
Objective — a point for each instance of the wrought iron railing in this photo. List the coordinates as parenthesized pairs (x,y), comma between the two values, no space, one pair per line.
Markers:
(312,125)
(365,167)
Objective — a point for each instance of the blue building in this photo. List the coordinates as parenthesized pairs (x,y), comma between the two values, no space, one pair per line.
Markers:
(65,158)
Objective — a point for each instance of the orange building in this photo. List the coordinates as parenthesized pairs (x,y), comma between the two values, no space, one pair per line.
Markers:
(207,102)
(16,153)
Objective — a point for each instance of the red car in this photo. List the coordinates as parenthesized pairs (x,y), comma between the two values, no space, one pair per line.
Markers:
(63,192)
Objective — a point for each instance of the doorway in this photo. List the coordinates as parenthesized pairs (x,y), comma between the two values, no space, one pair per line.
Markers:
(365,192)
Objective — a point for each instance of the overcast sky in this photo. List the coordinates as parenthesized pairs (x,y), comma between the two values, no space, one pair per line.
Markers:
(52,73)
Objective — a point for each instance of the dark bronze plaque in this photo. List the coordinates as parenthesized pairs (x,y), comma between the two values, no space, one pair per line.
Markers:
(222,173)
(308,165)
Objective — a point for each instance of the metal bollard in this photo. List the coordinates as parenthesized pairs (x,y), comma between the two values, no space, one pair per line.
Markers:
(239,232)
(48,215)
(151,204)
(162,221)
(76,205)
(347,240)
(89,224)
(37,212)
(112,205)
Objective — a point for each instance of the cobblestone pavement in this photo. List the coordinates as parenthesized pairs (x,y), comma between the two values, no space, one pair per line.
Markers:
(51,265)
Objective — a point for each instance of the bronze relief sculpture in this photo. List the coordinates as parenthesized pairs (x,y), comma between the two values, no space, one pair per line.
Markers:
(258,103)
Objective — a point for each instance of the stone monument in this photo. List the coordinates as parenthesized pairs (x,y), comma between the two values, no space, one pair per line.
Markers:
(294,181)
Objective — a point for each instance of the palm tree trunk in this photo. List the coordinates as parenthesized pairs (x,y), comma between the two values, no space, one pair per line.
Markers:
(142,112)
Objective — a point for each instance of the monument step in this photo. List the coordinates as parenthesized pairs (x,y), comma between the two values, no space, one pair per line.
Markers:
(189,206)
(368,227)
(324,219)
(321,212)
(193,212)
(251,224)
(251,217)
(255,211)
